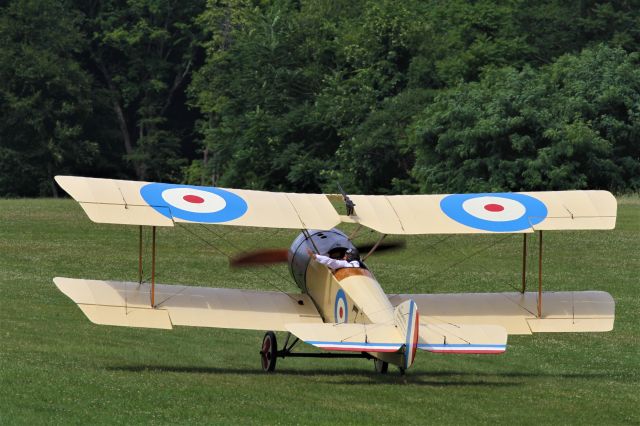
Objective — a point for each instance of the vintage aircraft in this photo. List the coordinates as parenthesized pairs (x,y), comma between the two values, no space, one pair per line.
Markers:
(343,311)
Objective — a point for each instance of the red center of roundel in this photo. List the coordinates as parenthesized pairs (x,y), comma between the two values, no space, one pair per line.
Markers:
(340,312)
(493,208)
(193,199)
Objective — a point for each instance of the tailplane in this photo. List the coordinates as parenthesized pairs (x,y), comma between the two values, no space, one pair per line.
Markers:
(444,337)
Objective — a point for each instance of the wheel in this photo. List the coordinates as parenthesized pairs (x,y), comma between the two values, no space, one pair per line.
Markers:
(380,366)
(268,354)
(402,371)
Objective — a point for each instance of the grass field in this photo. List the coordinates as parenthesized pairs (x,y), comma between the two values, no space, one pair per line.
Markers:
(57,367)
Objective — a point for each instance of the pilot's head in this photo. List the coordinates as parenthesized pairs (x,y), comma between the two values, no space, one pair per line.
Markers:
(351,254)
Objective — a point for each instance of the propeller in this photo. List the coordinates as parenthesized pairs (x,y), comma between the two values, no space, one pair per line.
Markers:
(260,257)
(278,255)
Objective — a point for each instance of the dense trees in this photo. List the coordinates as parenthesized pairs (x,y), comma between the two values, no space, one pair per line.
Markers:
(44,97)
(572,124)
(383,96)
(141,54)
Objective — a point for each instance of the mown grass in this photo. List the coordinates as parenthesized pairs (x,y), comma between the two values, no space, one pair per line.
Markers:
(57,367)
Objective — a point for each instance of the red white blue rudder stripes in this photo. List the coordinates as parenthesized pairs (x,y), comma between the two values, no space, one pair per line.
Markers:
(407,320)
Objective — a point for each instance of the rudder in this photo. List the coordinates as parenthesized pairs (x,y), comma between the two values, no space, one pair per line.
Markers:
(406,319)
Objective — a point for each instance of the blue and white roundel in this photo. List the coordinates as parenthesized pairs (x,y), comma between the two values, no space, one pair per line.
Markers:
(194,203)
(340,308)
(498,212)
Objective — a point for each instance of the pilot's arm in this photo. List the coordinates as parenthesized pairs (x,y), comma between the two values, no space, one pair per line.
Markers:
(332,263)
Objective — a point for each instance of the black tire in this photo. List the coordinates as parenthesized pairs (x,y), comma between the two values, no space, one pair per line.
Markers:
(381,366)
(402,371)
(269,351)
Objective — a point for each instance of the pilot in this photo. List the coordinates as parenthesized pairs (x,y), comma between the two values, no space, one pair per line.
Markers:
(351,259)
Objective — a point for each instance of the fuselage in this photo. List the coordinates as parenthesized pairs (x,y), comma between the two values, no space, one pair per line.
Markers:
(355,290)
(347,295)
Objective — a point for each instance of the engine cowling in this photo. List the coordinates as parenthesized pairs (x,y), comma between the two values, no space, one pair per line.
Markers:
(332,242)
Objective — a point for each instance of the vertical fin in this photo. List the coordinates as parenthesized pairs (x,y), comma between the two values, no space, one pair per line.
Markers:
(406,320)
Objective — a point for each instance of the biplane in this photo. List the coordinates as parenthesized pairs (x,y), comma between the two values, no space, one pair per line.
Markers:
(344,312)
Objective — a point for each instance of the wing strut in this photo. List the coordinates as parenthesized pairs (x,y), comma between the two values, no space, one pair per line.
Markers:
(374,247)
(140,256)
(524,264)
(153,263)
(308,237)
(540,276)
(153,267)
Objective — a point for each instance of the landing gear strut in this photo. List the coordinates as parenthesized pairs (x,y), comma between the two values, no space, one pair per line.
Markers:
(380,366)
(269,352)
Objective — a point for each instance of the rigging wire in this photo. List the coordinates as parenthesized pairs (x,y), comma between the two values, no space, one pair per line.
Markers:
(464,259)
(208,243)
(238,248)
(429,247)
(473,254)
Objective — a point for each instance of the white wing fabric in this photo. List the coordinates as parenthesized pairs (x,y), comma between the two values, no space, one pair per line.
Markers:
(160,204)
(129,304)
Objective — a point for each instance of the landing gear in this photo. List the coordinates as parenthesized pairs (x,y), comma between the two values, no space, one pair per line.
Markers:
(269,352)
(380,366)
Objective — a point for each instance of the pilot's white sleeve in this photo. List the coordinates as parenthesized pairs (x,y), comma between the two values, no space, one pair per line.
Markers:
(333,263)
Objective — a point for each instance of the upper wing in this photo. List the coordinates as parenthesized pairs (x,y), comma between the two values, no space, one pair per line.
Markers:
(486,213)
(561,311)
(128,304)
(160,204)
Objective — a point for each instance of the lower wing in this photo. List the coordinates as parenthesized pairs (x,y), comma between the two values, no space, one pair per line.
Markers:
(128,304)
(582,311)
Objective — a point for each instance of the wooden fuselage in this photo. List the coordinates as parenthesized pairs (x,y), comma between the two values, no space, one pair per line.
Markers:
(364,300)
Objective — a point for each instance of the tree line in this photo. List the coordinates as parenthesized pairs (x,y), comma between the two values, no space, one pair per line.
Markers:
(383,96)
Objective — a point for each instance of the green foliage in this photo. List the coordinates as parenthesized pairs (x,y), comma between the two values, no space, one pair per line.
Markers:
(258,91)
(470,36)
(44,97)
(568,125)
(369,98)
(378,157)
(143,52)
(380,95)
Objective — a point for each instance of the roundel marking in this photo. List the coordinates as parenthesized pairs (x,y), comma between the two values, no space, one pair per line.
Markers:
(340,311)
(194,203)
(497,212)
(193,199)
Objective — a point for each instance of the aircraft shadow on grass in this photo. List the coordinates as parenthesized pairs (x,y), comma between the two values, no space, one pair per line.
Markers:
(456,378)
